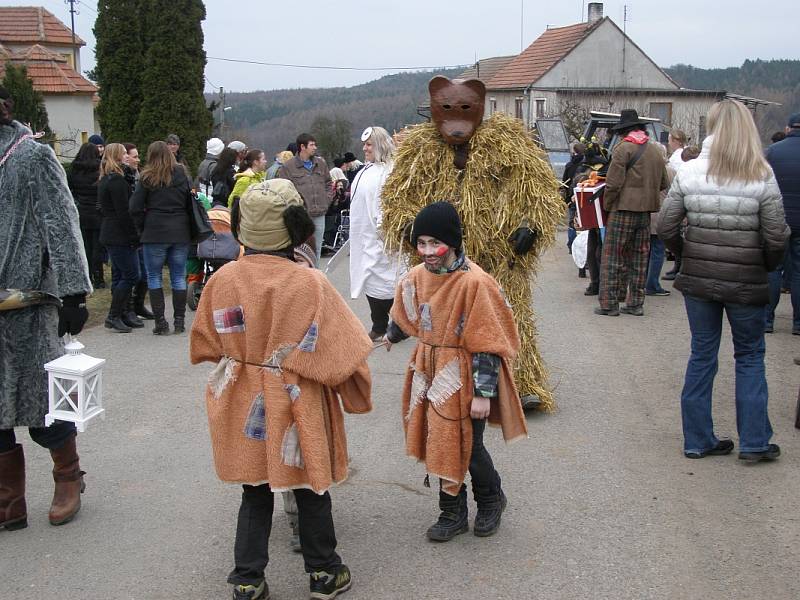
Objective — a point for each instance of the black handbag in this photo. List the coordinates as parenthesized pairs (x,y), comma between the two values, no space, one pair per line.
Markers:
(199,225)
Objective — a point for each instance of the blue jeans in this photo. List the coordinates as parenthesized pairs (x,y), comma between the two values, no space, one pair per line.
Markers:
(124,266)
(174,255)
(319,234)
(655,265)
(747,328)
(791,263)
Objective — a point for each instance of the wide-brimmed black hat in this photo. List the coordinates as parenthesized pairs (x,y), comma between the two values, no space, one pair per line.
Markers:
(628,118)
(349,157)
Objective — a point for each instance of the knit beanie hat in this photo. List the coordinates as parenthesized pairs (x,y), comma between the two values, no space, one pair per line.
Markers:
(439,220)
(262,225)
(214,146)
(97,140)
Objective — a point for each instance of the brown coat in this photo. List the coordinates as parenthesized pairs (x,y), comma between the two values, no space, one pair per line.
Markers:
(296,351)
(454,316)
(636,189)
(314,186)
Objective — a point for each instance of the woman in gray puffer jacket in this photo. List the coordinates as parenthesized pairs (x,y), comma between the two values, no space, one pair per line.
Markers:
(736,233)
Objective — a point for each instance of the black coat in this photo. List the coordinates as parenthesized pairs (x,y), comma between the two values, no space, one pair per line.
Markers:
(161,215)
(784,157)
(82,181)
(117,227)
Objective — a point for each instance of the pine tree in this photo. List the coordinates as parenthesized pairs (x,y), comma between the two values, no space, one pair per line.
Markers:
(173,76)
(29,105)
(118,73)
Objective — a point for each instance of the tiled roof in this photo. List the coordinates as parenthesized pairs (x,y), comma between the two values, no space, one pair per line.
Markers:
(486,68)
(49,72)
(33,25)
(538,58)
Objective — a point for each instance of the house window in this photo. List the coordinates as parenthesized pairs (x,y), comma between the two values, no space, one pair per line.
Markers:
(662,111)
(84,137)
(492,106)
(701,130)
(519,103)
(540,107)
(70,59)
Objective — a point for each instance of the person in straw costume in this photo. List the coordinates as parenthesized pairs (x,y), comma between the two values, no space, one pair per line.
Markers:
(504,191)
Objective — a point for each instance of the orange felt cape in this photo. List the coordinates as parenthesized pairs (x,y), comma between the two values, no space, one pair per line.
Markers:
(299,351)
(454,316)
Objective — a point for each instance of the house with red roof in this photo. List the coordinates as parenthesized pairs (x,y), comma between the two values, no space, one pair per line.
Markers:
(587,66)
(33,37)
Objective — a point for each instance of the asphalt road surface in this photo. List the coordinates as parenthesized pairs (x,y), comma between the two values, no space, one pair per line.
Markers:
(602,503)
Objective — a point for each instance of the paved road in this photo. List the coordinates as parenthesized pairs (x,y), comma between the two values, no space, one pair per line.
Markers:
(602,503)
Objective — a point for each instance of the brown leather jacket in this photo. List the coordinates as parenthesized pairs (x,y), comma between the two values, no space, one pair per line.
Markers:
(314,186)
(636,189)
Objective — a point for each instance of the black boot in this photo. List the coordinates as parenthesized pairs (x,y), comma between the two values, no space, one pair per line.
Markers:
(98,279)
(129,315)
(179,309)
(453,519)
(157,303)
(491,503)
(119,300)
(139,293)
(593,289)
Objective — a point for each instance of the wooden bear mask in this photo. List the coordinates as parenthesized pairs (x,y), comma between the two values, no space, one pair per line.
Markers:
(457,109)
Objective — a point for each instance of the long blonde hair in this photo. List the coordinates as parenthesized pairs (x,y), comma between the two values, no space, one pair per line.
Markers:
(736,153)
(160,166)
(112,160)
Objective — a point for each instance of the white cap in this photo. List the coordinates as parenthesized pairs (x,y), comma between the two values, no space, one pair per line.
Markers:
(237,145)
(214,146)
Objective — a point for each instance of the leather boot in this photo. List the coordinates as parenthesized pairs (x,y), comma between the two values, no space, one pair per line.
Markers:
(139,293)
(157,303)
(129,316)
(119,301)
(13,511)
(69,483)
(179,309)
(491,503)
(453,518)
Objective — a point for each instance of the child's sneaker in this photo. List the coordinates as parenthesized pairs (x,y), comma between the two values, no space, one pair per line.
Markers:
(326,585)
(251,592)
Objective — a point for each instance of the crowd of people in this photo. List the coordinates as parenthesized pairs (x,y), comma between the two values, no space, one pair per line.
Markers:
(282,379)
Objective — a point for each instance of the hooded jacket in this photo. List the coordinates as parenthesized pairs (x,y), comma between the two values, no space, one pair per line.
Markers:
(736,233)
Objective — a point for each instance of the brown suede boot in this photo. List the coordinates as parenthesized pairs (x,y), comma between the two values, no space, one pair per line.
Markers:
(69,483)
(13,511)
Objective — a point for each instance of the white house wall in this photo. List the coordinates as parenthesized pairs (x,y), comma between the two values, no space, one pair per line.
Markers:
(597,63)
(70,117)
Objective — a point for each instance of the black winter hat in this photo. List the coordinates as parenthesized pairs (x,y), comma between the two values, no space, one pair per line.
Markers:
(439,220)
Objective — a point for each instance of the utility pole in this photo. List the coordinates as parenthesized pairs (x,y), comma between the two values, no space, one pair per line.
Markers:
(624,35)
(222,113)
(72,12)
(521,25)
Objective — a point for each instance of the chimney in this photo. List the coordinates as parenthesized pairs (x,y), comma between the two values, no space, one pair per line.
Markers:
(595,12)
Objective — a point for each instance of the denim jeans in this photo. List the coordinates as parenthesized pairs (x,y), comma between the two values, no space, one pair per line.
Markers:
(791,263)
(124,266)
(251,549)
(655,265)
(747,329)
(174,255)
(319,234)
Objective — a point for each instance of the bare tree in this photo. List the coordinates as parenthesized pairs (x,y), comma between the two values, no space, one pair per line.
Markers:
(332,134)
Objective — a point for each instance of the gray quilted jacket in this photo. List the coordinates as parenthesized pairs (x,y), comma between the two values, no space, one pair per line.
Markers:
(736,233)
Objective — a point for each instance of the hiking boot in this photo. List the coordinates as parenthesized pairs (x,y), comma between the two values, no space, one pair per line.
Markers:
(771,453)
(68,477)
(13,510)
(636,311)
(179,309)
(487,521)
(723,447)
(251,592)
(608,312)
(453,518)
(138,295)
(326,585)
(157,302)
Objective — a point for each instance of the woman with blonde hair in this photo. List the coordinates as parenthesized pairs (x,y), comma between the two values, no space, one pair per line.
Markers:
(160,210)
(735,235)
(118,235)
(372,271)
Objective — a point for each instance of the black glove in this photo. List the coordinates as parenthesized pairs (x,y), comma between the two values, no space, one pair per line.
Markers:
(72,315)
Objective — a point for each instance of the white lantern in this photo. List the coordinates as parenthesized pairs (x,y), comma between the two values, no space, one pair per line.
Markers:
(75,386)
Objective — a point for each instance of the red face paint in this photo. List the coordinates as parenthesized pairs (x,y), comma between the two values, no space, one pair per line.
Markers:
(441,251)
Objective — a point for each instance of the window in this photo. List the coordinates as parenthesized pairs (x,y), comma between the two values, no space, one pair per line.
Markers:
(84,137)
(70,59)
(492,106)
(518,105)
(662,111)
(540,108)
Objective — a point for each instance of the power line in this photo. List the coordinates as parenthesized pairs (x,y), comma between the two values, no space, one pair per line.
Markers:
(87,6)
(334,68)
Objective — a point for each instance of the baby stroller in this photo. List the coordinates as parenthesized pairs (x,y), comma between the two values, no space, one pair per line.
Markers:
(213,253)
(342,231)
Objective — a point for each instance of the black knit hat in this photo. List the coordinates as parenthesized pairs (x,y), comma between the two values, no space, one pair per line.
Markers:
(439,220)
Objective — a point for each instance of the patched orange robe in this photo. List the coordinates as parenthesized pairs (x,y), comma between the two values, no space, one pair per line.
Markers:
(287,349)
(454,316)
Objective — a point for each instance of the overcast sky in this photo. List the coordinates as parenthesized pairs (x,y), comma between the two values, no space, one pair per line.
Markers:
(427,33)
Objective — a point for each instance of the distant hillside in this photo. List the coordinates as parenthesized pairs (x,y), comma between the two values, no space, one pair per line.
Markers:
(272,119)
(775,80)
